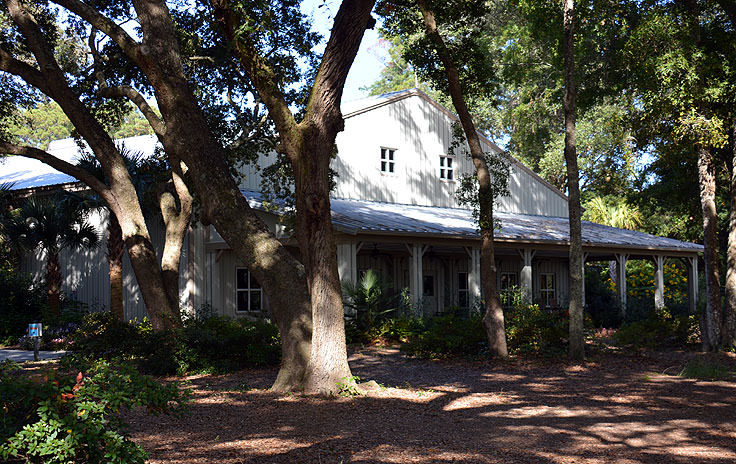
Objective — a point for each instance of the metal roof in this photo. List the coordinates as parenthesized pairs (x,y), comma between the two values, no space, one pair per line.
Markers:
(25,172)
(371,217)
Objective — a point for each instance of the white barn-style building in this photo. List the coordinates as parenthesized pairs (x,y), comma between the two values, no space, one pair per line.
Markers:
(394,211)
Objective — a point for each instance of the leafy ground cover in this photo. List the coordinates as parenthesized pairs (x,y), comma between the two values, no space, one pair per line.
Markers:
(614,408)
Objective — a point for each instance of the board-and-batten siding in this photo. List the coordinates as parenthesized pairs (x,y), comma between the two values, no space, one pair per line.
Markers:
(420,133)
(86,278)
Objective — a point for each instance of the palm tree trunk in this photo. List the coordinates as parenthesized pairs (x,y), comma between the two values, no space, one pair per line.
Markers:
(115,249)
(53,284)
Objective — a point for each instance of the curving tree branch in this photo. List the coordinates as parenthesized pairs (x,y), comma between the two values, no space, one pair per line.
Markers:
(105,25)
(45,157)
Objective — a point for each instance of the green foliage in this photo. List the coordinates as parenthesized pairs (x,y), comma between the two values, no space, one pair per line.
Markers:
(660,329)
(348,386)
(706,369)
(600,298)
(610,212)
(21,304)
(205,344)
(448,336)
(370,299)
(530,329)
(52,224)
(393,330)
(39,125)
(75,417)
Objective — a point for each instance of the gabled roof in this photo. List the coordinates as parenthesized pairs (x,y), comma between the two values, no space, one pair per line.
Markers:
(25,173)
(355,217)
(363,105)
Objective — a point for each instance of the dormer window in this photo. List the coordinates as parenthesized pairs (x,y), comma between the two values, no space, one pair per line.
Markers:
(388,165)
(447,167)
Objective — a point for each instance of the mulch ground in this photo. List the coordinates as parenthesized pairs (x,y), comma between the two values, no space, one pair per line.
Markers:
(614,408)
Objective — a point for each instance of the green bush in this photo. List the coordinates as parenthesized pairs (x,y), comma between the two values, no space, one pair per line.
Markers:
(706,369)
(448,336)
(204,344)
(660,329)
(21,303)
(394,330)
(74,417)
(530,329)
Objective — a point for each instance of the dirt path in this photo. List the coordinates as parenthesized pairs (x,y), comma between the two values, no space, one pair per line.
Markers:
(616,409)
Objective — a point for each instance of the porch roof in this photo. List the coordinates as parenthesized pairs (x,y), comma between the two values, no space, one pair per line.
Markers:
(355,217)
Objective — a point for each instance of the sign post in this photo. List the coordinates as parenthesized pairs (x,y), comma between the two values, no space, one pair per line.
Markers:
(35,331)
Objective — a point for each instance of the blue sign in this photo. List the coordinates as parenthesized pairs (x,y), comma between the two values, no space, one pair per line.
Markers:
(35,330)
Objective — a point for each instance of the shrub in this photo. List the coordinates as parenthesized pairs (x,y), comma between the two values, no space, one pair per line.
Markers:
(660,329)
(204,344)
(530,329)
(222,343)
(396,330)
(448,336)
(706,369)
(74,417)
(21,304)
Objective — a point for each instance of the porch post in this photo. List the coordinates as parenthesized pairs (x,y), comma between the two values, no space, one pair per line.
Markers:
(692,283)
(527,255)
(659,281)
(416,252)
(474,287)
(347,261)
(621,260)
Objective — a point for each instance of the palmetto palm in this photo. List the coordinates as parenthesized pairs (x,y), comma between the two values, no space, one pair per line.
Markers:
(369,299)
(52,224)
(621,215)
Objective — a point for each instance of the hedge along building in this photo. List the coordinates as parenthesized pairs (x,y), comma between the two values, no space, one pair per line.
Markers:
(394,211)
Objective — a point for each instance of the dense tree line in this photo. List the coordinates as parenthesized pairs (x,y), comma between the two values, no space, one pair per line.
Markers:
(654,129)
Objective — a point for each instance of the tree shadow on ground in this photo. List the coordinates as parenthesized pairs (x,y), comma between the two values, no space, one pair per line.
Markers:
(613,410)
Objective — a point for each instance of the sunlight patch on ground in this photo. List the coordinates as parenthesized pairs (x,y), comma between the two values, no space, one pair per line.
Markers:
(396,454)
(479,400)
(544,411)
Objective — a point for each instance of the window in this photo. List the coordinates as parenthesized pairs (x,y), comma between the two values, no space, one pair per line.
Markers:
(508,282)
(547,289)
(248,291)
(428,285)
(388,163)
(447,167)
(463,293)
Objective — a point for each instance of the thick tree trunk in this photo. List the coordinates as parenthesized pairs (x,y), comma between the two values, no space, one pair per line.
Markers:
(162,313)
(115,250)
(328,363)
(577,340)
(177,217)
(188,138)
(711,319)
(493,319)
(728,338)
(53,283)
